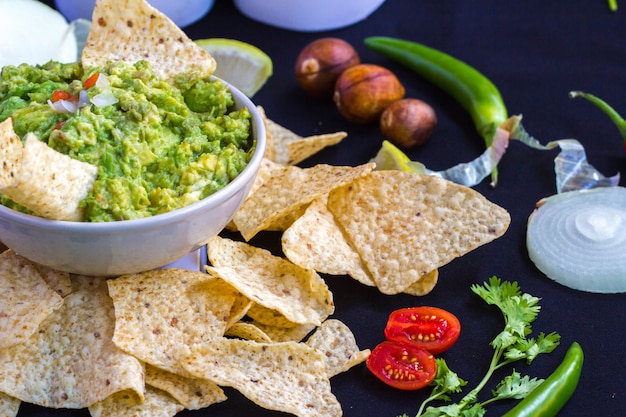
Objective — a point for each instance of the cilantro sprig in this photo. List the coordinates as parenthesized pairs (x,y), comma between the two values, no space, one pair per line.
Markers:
(511,345)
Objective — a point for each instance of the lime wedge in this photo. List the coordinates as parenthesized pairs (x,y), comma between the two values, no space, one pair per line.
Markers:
(389,157)
(243,65)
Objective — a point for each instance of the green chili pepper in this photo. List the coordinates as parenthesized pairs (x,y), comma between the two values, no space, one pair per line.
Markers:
(615,117)
(471,89)
(612,5)
(551,395)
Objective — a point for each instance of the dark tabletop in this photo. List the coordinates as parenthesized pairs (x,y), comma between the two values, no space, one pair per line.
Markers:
(535,51)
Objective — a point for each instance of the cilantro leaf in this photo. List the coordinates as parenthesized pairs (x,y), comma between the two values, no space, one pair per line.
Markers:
(515,386)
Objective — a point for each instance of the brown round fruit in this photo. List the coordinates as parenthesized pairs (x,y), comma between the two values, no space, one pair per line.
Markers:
(363,91)
(408,123)
(319,64)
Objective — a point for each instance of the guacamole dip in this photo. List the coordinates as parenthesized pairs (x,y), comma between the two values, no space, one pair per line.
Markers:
(158,145)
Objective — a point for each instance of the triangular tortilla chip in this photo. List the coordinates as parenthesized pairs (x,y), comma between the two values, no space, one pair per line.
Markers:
(424,286)
(158,311)
(289,148)
(156,403)
(299,294)
(405,225)
(71,361)
(192,393)
(338,346)
(289,376)
(315,241)
(26,299)
(9,406)
(288,190)
(41,179)
(132,30)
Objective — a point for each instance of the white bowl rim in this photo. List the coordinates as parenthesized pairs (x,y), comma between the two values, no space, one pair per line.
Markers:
(157,220)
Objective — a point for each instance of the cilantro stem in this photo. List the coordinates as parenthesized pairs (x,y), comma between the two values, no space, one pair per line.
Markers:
(472,396)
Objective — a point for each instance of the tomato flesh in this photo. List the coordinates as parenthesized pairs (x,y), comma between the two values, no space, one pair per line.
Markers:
(62,95)
(402,366)
(91,81)
(430,328)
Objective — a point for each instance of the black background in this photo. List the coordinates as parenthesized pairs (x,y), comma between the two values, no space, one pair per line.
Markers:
(535,51)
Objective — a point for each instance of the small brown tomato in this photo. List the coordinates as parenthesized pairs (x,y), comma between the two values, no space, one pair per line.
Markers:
(320,62)
(408,123)
(363,91)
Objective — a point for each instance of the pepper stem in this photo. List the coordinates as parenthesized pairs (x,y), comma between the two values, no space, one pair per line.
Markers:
(606,108)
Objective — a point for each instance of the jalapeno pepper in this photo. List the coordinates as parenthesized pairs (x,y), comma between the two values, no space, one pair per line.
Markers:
(551,395)
(470,88)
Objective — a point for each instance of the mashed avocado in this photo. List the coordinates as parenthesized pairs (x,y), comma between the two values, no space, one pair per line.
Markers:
(159,146)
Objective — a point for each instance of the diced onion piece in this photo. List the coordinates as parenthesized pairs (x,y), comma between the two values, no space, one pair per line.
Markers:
(103,82)
(63,106)
(83,99)
(578,239)
(106,98)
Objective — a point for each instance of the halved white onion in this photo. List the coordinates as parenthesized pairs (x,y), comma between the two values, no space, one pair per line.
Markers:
(578,239)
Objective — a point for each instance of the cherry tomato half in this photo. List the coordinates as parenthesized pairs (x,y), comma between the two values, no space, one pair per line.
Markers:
(402,366)
(430,328)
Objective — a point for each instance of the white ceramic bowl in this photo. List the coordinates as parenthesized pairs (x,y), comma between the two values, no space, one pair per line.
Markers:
(308,15)
(182,12)
(129,246)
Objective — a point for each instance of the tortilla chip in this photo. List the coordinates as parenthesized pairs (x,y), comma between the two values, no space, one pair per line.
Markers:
(71,361)
(299,294)
(25,299)
(132,30)
(270,317)
(266,170)
(338,346)
(315,241)
(295,333)
(156,403)
(58,281)
(41,179)
(289,148)
(9,406)
(425,284)
(289,189)
(240,308)
(289,377)
(270,150)
(158,311)
(248,331)
(421,223)
(192,393)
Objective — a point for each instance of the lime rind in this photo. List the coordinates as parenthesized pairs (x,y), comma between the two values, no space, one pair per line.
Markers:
(239,63)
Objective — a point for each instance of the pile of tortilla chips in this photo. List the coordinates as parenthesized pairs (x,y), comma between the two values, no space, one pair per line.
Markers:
(161,341)
(389,229)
